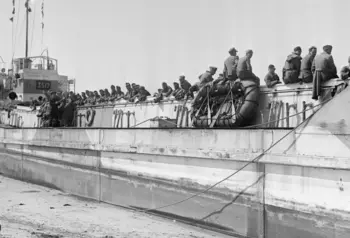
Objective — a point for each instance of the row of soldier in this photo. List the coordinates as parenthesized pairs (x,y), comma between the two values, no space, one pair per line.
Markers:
(295,70)
(312,68)
(134,93)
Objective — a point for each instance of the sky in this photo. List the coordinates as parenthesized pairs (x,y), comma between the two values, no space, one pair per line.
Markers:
(104,42)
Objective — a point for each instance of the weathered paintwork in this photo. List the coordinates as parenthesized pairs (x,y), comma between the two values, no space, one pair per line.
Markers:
(299,188)
(281,102)
(20,117)
(273,105)
(289,193)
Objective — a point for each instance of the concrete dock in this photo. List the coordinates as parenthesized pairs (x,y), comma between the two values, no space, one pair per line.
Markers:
(28,210)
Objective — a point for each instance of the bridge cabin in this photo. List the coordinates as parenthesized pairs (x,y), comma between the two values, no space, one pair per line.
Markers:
(31,76)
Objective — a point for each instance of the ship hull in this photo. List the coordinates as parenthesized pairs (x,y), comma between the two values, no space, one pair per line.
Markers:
(284,195)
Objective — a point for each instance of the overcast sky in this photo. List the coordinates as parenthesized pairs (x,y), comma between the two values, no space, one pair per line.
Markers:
(104,42)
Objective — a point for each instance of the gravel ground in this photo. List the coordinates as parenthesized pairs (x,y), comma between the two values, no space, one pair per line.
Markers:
(28,210)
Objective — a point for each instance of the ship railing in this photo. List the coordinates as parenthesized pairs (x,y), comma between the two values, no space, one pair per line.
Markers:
(127,103)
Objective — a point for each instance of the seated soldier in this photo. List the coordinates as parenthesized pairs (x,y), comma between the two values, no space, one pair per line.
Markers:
(185,85)
(271,79)
(96,98)
(207,77)
(166,90)
(143,94)
(244,68)
(101,99)
(83,98)
(130,92)
(291,69)
(158,96)
(107,95)
(136,92)
(119,94)
(113,91)
(323,69)
(345,71)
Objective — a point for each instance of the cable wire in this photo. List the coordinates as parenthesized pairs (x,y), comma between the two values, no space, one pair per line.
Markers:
(16,28)
(33,28)
(234,173)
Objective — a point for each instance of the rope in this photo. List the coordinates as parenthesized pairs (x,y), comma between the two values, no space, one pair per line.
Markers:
(153,118)
(142,122)
(309,109)
(15,43)
(16,28)
(33,27)
(234,173)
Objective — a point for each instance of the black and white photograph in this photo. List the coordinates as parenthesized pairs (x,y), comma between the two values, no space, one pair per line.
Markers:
(174,119)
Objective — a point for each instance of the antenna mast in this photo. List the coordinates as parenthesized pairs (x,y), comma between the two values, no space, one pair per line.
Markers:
(28,10)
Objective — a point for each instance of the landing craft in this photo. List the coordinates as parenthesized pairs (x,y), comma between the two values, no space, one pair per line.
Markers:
(30,76)
(282,172)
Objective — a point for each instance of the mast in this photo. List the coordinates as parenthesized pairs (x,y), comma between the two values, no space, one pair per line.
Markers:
(28,10)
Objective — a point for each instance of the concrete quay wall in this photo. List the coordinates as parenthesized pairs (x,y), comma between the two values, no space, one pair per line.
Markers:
(287,194)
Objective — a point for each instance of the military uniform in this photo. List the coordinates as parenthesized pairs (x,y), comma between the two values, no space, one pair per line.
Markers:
(178,92)
(50,114)
(68,113)
(324,69)
(205,78)
(245,70)
(345,72)
(305,69)
(167,91)
(185,85)
(129,95)
(143,94)
(291,69)
(230,68)
(271,79)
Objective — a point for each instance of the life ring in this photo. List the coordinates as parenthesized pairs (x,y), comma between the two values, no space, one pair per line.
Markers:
(14,83)
(89,117)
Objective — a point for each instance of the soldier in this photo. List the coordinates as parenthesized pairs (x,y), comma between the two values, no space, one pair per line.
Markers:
(207,77)
(53,96)
(306,64)
(143,94)
(90,98)
(291,69)
(271,79)
(107,95)
(184,84)
(96,98)
(166,90)
(244,67)
(345,71)
(120,94)
(66,110)
(101,99)
(113,91)
(49,114)
(135,88)
(83,98)
(324,69)
(178,92)
(130,93)
(176,89)
(230,65)
(158,93)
